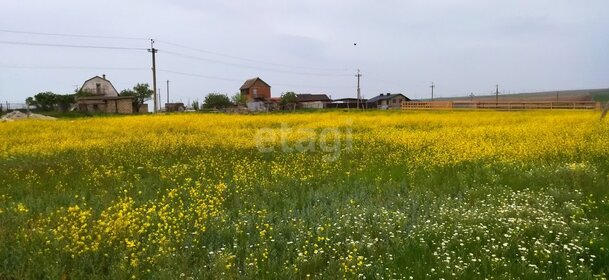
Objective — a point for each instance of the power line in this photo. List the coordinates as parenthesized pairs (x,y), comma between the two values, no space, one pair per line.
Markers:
(71,35)
(153,51)
(70,67)
(199,75)
(171,44)
(251,60)
(173,53)
(359,95)
(69,46)
(253,67)
(240,81)
(167,52)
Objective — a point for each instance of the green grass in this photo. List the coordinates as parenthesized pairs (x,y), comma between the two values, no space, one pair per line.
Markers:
(363,215)
(601,96)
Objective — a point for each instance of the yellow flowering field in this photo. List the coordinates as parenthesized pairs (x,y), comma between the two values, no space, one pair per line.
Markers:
(326,195)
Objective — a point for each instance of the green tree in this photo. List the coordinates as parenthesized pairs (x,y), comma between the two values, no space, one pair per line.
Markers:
(141,94)
(65,101)
(216,100)
(239,99)
(288,98)
(195,105)
(30,101)
(45,101)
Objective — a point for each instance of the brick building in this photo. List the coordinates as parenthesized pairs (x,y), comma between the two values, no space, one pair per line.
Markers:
(100,96)
(256,89)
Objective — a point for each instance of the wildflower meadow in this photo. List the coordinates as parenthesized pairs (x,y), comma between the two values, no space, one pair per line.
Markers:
(319,195)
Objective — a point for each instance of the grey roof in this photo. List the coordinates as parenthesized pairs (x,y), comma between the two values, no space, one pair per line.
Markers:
(307,97)
(384,96)
(249,83)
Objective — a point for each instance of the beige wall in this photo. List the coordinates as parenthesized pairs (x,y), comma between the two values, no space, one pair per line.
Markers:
(105,87)
(124,106)
(107,105)
(396,102)
(312,105)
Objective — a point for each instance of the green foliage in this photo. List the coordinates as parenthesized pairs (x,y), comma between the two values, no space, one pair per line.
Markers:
(288,98)
(30,101)
(141,92)
(601,96)
(239,99)
(65,101)
(216,100)
(195,105)
(45,101)
(201,202)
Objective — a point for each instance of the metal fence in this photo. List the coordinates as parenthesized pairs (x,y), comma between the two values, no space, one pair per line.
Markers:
(8,106)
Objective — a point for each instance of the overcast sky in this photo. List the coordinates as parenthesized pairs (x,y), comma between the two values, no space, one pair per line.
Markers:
(307,46)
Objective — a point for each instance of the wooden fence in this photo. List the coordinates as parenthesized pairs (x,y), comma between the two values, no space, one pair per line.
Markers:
(505,105)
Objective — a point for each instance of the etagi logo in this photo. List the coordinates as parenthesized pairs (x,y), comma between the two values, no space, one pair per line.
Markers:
(330,140)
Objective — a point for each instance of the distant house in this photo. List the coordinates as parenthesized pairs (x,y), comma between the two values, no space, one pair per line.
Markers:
(257,94)
(387,101)
(256,89)
(100,96)
(348,103)
(312,101)
(175,107)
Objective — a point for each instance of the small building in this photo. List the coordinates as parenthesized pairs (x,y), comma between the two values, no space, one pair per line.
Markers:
(313,101)
(256,89)
(175,107)
(387,101)
(348,103)
(257,94)
(100,96)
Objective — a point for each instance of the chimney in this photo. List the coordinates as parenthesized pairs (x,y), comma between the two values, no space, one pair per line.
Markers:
(104,76)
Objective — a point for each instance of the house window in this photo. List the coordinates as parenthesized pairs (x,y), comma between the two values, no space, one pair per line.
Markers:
(394,101)
(98,88)
(255,92)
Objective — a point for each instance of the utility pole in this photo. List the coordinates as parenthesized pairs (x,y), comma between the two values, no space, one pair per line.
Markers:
(432,86)
(557,95)
(497,93)
(167,91)
(358,89)
(153,51)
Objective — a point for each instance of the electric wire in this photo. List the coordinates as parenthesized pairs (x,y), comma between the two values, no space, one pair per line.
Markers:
(70,46)
(72,35)
(71,67)
(172,44)
(249,59)
(170,53)
(252,67)
(235,80)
